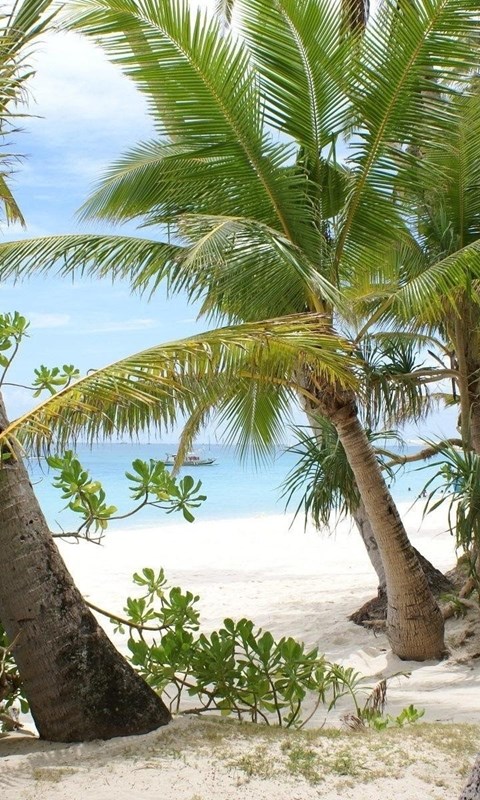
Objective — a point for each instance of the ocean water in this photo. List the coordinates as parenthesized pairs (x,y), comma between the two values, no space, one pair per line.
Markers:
(233,489)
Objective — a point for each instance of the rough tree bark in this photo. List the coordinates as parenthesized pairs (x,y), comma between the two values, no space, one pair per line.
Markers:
(465,335)
(79,687)
(471,790)
(414,622)
(375,610)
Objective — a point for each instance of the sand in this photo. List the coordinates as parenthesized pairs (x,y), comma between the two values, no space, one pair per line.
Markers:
(293,583)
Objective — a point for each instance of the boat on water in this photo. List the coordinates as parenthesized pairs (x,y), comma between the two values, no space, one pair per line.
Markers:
(191,460)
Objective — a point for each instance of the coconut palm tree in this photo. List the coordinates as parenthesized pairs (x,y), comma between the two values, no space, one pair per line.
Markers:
(266,221)
(445,222)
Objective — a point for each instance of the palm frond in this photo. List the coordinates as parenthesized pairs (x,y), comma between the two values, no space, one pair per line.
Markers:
(407,61)
(144,262)
(322,476)
(203,93)
(300,55)
(427,295)
(235,265)
(224,9)
(395,383)
(156,387)
(21,25)
(11,208)
(25,22)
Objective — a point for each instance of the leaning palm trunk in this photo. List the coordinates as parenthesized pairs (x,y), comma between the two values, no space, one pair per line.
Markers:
(414,621)
(78,686)
(375,610)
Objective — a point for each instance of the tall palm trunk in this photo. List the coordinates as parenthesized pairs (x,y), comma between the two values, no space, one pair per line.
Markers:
(465,337)
(414,621)
(78,686)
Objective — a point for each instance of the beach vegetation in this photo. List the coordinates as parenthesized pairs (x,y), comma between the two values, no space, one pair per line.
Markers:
(302,760)
(239,670)
(288,216)
(150,484)
(267,220)
(456,482)
(52,774)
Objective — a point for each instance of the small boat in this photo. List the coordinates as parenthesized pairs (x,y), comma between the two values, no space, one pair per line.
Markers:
(191,460)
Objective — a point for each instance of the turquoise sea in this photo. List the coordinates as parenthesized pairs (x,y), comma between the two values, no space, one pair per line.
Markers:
(233,489)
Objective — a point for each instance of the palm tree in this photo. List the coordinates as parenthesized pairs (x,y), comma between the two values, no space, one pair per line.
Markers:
(444,220)
(78,685)
(266,221)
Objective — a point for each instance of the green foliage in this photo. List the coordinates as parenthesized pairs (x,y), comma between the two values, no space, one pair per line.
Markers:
(371,713)
(150,484)
(10,687)
(375,719)
(238,669)
(152,480)
(52,379)
(13,328)
(457,482)
(86,497)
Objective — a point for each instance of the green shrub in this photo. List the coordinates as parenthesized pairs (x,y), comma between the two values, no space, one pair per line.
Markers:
(238,669)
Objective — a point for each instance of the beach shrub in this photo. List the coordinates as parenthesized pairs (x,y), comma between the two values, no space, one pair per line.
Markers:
(239,669)
(457,483)
(151,484)
(11,696)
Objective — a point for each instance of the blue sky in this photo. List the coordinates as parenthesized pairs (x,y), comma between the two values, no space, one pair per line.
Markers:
(84,114)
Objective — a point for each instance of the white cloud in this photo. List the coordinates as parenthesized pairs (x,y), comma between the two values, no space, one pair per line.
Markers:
(38,320)
(75,82)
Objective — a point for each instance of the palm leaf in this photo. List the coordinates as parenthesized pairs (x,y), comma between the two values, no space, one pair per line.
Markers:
(159,386)
(426,295)
(322,475)
(224,9)
(203,94)
(143,261)
(22,24)
(300,55)
(406,60)
(234,265)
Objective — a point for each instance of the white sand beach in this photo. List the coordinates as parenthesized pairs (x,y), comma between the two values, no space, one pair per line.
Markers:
(293,583)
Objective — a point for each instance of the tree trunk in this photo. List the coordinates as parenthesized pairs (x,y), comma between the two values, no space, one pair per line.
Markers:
(368,537)
(374,611)
(465,337)
(471,790)
(78,686)
(414,621)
